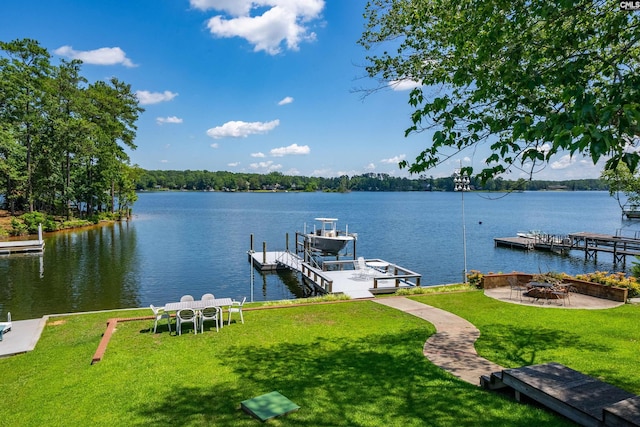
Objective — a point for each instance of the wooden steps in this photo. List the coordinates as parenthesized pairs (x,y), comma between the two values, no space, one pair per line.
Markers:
(579,397)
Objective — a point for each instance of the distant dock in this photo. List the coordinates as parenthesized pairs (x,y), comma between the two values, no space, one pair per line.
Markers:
(590,243)
(23,246)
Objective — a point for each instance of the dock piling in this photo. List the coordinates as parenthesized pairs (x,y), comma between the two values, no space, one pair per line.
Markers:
(264,252)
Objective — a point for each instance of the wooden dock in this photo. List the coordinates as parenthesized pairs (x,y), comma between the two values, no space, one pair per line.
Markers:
(339,277)
(23,246)
(593,243)
(579,397)
(620,247)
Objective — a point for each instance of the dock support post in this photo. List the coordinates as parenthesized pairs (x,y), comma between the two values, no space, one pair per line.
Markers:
(264,252)
(286,244)
(251,243)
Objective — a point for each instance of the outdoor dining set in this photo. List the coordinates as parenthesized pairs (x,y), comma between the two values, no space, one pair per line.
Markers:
(196,312)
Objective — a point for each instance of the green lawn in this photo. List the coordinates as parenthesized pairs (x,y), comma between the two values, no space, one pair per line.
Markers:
(346,364)
(602,343)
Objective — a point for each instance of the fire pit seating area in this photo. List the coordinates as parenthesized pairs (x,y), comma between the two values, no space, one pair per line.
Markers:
(548,286)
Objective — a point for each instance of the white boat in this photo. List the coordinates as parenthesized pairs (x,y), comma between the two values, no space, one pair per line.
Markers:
(327,238)
(531,234)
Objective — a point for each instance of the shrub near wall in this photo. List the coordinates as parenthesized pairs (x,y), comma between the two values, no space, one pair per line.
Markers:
(598,290)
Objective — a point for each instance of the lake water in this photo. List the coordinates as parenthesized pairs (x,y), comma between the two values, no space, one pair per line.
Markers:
(192,243)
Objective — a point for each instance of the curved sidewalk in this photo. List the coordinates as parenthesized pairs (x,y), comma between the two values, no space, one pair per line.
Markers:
(451,347)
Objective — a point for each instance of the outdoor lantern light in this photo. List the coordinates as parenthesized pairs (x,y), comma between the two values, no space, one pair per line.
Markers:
(461,183)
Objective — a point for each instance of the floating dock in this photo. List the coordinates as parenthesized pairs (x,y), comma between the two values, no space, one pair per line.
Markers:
(340,276)
(620,247)
(23,246)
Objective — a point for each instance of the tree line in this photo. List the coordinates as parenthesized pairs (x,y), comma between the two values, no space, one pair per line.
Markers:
(62,139)
(202,180)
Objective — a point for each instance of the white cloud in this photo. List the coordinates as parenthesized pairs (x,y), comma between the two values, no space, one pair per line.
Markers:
(322,172)
(563,162)
(164,161)
(234,164)
(257,154)
(268,166)
(394,160)
(281,21)
(370,167)
(232,7)
(292,172)
(214,145)
(240,129)
(145,97)
(286,100)
(171,119)
(293,149)
(404,84)
(102,56)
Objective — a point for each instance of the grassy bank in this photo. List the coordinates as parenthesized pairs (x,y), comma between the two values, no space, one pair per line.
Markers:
(346,364)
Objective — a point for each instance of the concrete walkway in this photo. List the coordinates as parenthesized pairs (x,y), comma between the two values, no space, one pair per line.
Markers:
(22,337)
(451,347)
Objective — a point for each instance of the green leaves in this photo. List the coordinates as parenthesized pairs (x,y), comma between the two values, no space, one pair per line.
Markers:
(560,73)
(60,140)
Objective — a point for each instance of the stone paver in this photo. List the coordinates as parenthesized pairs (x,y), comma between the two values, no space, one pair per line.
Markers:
(451,347)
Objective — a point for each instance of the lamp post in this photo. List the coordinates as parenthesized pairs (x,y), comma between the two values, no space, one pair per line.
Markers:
(461,182)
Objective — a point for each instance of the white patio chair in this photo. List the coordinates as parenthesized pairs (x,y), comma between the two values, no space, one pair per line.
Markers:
(236,307)
(207,297)
(160,314)
(210,313)
(5,326)
(362,271)
(186,298)
(186,315)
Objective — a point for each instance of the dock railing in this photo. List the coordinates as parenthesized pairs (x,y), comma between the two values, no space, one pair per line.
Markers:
(393,272)
(338,265)
(290,260)
(317,277)
(400,276)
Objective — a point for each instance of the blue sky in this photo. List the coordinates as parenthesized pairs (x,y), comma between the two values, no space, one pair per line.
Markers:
(244,86)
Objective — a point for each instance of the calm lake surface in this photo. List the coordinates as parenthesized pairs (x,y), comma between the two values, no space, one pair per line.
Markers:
(192,243)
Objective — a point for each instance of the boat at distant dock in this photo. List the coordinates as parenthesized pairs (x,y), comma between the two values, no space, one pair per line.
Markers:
(531,234)
(632,213)
(326,238)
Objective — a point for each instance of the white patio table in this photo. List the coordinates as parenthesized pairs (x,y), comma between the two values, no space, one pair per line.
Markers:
(199,305)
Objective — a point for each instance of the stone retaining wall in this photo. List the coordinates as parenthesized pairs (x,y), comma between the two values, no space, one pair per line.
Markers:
(597,290)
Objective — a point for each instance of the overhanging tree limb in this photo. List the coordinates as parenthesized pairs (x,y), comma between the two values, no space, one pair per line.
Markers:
(526,74)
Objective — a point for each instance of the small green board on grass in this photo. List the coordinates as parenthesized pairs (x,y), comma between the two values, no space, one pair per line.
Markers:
(268,406)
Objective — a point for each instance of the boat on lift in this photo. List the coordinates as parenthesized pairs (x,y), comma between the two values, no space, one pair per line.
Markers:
(326,238)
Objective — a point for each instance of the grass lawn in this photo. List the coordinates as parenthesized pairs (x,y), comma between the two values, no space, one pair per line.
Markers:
(346,364)
(602,343)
